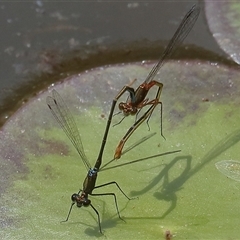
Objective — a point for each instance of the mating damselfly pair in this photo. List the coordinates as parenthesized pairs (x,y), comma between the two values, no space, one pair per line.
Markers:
(137,101)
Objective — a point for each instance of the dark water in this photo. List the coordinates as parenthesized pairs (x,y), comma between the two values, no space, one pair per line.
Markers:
(42,42)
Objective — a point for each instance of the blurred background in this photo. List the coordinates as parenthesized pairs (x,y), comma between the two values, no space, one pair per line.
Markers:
(43,42)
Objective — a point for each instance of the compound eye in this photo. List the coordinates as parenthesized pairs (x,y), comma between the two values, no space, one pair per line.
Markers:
(121,106)
(74,197)
(126,112)
(134,111)
(86,202)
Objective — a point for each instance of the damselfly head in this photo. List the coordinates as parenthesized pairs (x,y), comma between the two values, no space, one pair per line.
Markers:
(81,200)
(127,109)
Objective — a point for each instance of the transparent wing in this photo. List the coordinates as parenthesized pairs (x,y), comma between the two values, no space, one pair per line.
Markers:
(65,119)
(178,37)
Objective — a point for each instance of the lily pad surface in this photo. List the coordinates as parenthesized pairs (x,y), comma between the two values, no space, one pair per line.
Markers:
(224,22)
(181,193)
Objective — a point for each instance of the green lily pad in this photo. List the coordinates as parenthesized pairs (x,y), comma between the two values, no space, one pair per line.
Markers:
(181,193)
(224,21)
